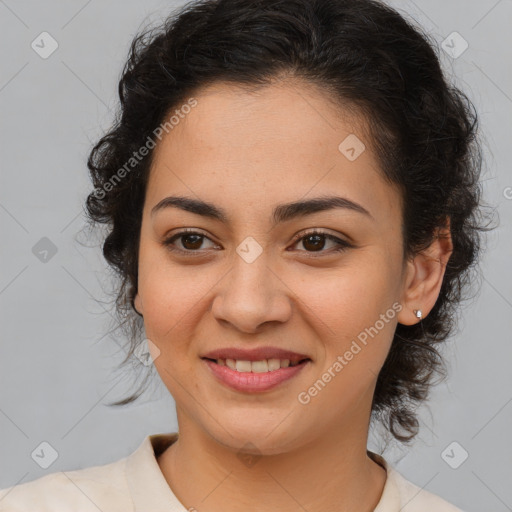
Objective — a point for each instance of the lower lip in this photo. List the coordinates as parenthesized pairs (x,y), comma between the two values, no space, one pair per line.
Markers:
(253,382)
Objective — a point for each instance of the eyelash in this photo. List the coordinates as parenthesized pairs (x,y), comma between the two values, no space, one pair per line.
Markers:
(342,244)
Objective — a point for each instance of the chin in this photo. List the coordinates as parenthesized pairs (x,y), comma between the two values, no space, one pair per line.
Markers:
(256,438)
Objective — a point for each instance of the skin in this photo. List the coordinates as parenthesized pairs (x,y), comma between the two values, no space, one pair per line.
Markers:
(247,152)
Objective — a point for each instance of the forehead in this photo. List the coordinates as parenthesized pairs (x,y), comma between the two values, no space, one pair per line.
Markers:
(277,143)
(288,116)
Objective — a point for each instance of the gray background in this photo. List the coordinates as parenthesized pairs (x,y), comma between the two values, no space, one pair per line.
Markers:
(56,360)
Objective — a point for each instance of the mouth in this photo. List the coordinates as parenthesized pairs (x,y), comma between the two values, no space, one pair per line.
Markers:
(255,376)
(257,366)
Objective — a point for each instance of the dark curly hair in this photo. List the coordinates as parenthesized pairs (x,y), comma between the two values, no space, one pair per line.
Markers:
(367,58)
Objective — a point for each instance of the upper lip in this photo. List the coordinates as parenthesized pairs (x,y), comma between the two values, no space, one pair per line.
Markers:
(254,354)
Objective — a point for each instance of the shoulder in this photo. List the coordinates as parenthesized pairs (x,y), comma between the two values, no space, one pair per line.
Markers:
(401,494)
(90,489)
(415,499)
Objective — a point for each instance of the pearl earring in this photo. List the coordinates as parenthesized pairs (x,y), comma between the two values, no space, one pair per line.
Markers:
(418,313)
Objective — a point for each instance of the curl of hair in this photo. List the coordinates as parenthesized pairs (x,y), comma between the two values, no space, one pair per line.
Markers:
(368,59)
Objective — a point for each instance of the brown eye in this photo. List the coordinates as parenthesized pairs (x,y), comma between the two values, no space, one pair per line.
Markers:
(315,242)
(190,241)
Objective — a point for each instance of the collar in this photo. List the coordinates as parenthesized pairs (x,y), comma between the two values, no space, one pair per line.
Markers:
(148,487)
(390,498)
(150,491)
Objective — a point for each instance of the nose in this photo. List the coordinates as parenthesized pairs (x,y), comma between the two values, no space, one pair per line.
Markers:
(251,295)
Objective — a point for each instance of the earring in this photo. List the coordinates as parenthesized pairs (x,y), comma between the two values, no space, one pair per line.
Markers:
(418,313)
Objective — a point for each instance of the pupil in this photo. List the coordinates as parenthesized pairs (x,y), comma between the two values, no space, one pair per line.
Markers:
(196,244)
(318,241)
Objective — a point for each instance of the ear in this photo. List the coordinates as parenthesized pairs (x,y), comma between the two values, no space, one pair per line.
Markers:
(138,304)
(424,276)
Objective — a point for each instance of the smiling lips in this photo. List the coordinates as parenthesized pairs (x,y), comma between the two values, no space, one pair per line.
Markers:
(254,370)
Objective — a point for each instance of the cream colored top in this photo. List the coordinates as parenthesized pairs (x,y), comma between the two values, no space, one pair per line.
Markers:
(136,484)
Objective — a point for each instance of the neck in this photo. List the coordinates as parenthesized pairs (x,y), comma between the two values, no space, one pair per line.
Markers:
(330,472)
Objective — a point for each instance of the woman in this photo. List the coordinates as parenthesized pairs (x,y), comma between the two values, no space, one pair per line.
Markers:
(292,195)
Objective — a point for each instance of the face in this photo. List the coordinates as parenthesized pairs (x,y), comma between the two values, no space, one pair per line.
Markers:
(324,282)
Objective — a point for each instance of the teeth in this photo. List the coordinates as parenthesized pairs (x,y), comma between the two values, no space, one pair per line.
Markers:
(258,366)
(243,366)
(274,364)
(263,366)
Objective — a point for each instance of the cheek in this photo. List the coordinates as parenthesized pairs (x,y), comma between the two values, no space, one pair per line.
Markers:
(351,312)
(172,305)
(350,297)
(169,290)
(353,317)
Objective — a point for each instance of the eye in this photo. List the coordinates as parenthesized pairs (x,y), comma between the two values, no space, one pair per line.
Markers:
(191,241)
(315,241)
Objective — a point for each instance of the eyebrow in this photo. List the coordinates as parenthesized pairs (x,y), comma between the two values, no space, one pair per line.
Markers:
(281,213)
